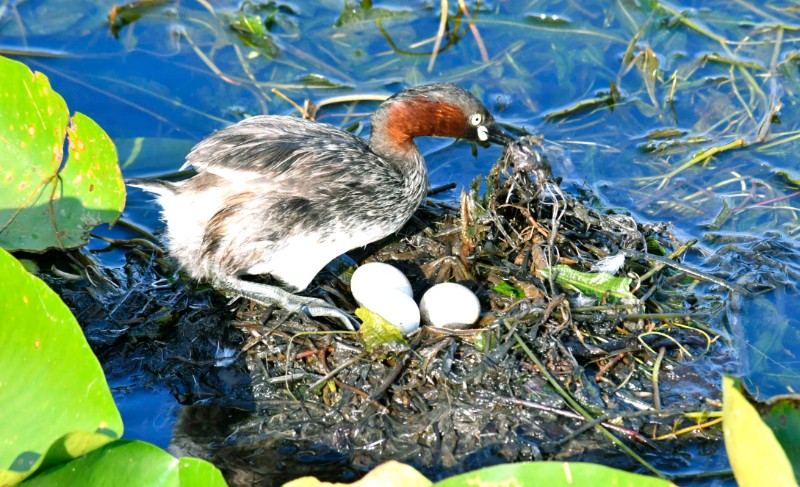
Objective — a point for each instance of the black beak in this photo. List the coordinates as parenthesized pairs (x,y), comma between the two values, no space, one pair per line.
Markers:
(498,136)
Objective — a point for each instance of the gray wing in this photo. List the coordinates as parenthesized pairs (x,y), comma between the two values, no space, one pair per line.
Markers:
(295,175)
(281,148)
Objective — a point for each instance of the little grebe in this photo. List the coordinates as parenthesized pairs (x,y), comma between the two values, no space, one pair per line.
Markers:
(284,196)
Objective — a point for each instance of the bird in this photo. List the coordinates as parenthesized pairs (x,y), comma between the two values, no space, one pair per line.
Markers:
(282,196)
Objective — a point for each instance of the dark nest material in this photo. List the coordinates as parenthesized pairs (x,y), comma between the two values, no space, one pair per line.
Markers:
(547,373)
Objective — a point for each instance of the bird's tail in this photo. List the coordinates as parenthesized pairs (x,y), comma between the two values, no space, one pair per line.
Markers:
(153,185)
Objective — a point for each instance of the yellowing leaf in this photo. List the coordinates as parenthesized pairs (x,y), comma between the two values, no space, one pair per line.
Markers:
(753,450)
(387,474)
(375,331)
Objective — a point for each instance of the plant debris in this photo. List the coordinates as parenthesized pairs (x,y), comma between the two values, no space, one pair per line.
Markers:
(548,372)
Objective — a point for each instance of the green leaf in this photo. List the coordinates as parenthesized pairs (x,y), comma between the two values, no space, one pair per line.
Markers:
(782,415)
(791,176)
(391,473)
(548,20)
(753,450)
(723,216)
(131,463)
(508,290)
(320,81)
(252,31)
(120,16)
(598,284)
(198,472)
(649,65)
(656,247)
(376,332)
(55,400)
(552,474)
(364,12)
(42,204)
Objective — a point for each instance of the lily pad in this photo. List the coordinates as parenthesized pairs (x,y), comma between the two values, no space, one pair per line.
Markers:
(131,463)
(55,400)
(782,415)
(46,202)
(553,474)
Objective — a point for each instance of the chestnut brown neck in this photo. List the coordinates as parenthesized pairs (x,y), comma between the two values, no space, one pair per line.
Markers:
(395,126)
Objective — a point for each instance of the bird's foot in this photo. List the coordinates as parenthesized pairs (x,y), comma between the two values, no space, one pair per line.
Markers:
(271,295)
(325,310)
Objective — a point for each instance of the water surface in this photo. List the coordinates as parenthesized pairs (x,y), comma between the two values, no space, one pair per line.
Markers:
(629,95)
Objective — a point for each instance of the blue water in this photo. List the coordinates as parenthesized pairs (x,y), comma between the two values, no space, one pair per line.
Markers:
(175,75)
(148,414)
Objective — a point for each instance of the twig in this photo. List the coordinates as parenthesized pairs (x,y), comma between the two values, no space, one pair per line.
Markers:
(441,189)
(395,371)
(208,62)
(610,416)
(656,369)
(474,29)
(300,109)
(736,288)
(322,380)
(439,35)
(586,426)
(572,402)
(688,429)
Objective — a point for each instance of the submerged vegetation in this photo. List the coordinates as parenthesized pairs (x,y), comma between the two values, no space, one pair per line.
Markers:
(605,332)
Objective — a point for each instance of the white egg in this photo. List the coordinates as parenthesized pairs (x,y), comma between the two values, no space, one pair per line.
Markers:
(377,275)
(449,305)
(393,306)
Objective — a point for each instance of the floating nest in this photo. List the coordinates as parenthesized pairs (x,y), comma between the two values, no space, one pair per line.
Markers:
(553,370)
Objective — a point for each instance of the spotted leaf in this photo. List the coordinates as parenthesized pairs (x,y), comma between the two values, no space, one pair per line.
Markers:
(46,202)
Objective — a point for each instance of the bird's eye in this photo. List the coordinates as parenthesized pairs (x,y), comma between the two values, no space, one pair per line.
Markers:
(475,119)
